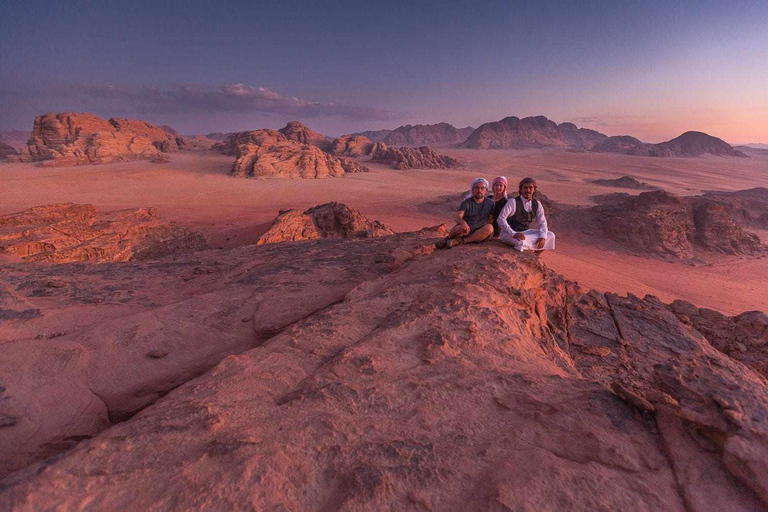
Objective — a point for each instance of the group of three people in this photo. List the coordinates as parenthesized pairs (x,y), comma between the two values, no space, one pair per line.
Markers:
(481,216)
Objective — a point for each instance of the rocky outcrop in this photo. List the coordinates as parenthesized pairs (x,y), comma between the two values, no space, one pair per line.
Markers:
(75,139)
(7,151)
(624,182)
(263,138)
(330,220)
(65,233)
(743,337)
(698,144)
(664,224)
(441,134)
(582,138)
(296,131)
(411,158)
(627,145)
(689,144)
(290,159)
(367,374)
(351,145)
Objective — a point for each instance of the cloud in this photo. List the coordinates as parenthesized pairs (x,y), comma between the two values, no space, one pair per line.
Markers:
(229,98)
(606,121)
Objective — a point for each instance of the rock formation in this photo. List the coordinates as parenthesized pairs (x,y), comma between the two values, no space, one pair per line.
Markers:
(582,138)
(367,374)
(697,144)
(531,132)
(298,132)
(664,224)
(627,145)
(351,145)
(64,233)
(411,158)
(330,220)
(289,159)
(689,144)
(441,134)
(7,150)
(265,137)
(743,337)
(624,182)
(75,139)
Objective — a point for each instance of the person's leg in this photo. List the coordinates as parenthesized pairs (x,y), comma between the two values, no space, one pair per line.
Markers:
(479,234)
(510,240)
(458,231)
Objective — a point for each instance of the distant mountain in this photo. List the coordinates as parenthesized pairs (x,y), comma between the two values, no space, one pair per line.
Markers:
(15,138)
(626,145)
(756,145)
(441,134)
(697,144)
(688,144)
(752,150)
(514,133)
(218,136)
(374,135)
(580,137)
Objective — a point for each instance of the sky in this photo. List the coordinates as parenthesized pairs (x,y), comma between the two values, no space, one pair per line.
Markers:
(648,69)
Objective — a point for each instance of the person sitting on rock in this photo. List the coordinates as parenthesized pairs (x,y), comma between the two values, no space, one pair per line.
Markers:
(517,216)
(499,187)
(474,220)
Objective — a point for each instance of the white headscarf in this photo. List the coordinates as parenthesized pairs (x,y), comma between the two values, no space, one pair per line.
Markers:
(472,186)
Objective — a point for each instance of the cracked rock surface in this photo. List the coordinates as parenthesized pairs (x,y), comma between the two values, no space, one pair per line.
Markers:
(398,378)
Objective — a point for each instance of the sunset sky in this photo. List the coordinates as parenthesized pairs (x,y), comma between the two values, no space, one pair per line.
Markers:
(648,69)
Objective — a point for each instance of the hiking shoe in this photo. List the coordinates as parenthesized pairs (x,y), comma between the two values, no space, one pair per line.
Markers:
(453,243)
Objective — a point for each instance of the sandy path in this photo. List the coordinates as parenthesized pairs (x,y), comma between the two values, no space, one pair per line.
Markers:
(195,190)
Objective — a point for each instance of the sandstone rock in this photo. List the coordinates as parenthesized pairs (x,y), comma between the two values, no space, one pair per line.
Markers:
(441,134)
(351,145)
(653,222)
(75,139)
(296,131)
(290,159)
(411,158)
(265,138)
(663,224)
(743,337)
(330,220)
(377,399)
(514,133)
(69,232)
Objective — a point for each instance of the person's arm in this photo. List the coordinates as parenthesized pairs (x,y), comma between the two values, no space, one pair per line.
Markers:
(542,221)
(506,212)
(460,218)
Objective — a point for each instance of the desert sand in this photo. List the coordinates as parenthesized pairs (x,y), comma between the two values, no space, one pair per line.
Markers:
(195,190)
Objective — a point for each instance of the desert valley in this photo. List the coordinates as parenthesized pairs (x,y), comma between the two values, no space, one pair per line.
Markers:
(259,320)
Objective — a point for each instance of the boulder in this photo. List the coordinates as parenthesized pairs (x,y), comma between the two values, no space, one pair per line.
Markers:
(351,145)
(411,158)
(64,233)
(330,220)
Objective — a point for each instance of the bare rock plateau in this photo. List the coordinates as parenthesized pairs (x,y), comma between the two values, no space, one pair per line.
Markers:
(64,233)
(368,374)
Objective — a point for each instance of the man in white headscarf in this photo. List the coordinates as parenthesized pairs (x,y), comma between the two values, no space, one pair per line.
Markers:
(474,219)
(518,215)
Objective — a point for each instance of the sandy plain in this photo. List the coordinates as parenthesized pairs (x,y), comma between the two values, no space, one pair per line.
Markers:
(194,189)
